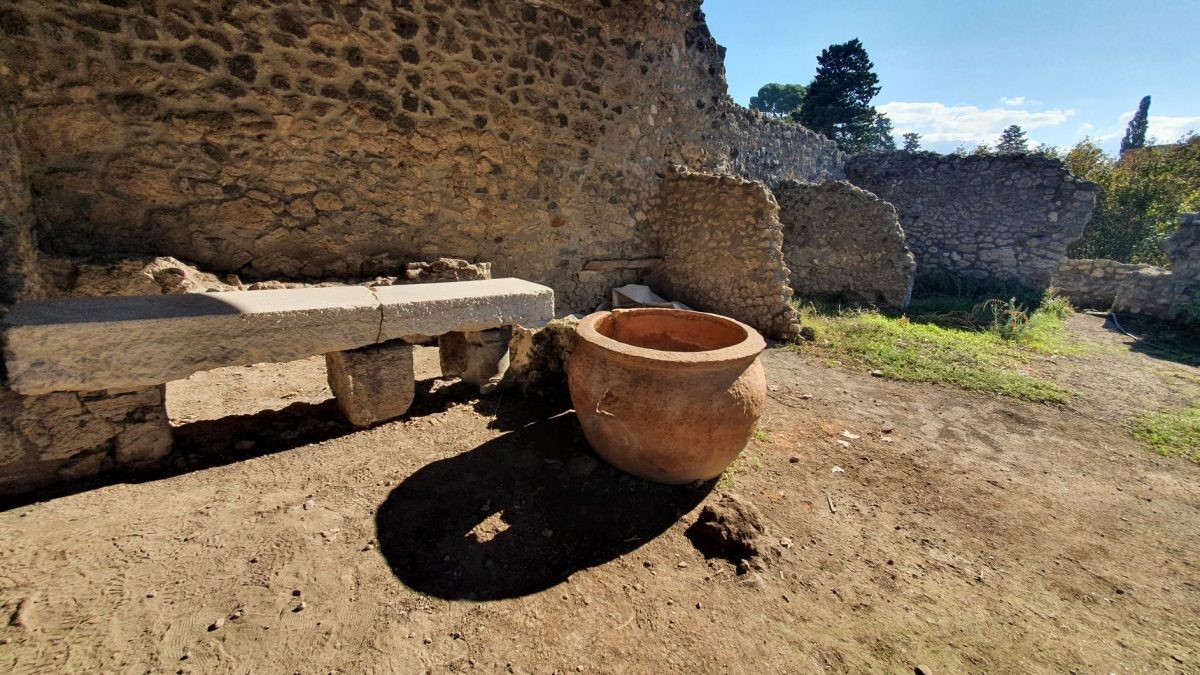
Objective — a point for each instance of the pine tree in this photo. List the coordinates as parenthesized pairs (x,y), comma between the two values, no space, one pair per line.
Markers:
(1135,133)
(912,141)
(838,102)
(1013,142)
(881,137)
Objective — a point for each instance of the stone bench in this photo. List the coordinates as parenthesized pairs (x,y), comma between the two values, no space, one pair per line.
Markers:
(133,343)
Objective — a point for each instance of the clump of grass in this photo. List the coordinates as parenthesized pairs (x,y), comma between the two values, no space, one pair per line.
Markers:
(1171,434)
(984,346)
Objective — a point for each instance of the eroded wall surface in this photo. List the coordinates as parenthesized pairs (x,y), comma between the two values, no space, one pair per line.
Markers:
(722,246)
(986,220)
(18,252)
(343,139)
(1093,283)
(844,243)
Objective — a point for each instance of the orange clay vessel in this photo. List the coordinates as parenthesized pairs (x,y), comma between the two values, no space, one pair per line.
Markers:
(666,394)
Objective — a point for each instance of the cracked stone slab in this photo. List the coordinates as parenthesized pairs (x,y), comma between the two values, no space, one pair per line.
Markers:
(463,306)
(90,344)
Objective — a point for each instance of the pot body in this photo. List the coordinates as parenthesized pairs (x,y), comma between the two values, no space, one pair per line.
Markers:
(667,416)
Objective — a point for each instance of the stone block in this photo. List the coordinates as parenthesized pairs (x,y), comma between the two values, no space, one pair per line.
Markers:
(75,434)
(463,306)
(372,384)
(480,358)
(87,344)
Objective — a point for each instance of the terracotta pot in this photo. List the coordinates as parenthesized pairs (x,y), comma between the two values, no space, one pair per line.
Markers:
(669,395)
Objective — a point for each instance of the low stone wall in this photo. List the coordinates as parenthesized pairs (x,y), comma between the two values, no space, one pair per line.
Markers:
(1093,283)
(1172,294)
(986,220)
(722,249)
(844,243)
(68,435)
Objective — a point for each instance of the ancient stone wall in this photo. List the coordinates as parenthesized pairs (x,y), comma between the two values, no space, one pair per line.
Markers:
(61,436)
(1093,283)
(18,253)
(722,246)
(844,243)
(983,220)
(343,139)
(1172,294)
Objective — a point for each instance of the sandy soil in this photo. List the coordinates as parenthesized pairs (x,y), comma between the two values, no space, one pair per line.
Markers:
(977,535)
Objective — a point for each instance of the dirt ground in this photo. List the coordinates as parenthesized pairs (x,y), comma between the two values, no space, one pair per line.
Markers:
(978,535)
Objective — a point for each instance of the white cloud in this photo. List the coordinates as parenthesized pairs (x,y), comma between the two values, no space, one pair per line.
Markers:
(966,124)
(1015,100)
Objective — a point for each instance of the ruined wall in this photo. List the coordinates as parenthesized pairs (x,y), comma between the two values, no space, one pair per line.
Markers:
(722,246)
(1093,283)
(44,439)
(1171,294)
(844,243)
(343,139)
(986,220)
(18,253)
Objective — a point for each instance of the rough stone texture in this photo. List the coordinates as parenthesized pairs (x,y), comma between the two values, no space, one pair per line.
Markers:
(69,278)
(722,246)
(446,269)
(1172,294)
(1002,220)
(44,439)
(82,344)
(18,250)
(372,384)
(434,309)
(538,356)
(478,357)
(844,243)
(322,140)
(1093,283)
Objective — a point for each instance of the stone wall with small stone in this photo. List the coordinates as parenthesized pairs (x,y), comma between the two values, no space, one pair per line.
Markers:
(722,248)
(843,243)
(981,220)
(323,140)
(1093,283)
(1171,294)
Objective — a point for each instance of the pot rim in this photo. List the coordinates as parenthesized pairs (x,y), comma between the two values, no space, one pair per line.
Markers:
(749,348)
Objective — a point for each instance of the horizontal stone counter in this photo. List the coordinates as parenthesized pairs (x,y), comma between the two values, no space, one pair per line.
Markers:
(92,344)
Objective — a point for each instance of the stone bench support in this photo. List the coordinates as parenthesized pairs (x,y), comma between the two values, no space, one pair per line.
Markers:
(479,358)
(372,384)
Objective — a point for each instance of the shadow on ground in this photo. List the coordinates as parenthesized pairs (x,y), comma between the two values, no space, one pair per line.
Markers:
(520,514)
(1159,339)
(211,443)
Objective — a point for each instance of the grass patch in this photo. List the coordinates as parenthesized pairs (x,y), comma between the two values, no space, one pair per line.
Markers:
(987,347)
(1171,434)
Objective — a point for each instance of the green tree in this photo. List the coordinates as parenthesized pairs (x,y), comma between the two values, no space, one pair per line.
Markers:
(1141,196)
(778,100)
(1135,133)
(838,102)
(1013,142)
(881,136)
(912,141)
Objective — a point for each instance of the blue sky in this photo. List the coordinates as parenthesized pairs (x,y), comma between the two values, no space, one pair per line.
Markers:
(958,72)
